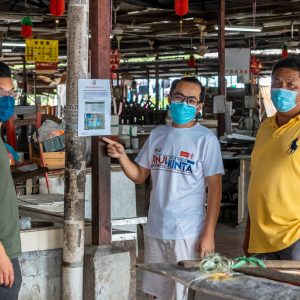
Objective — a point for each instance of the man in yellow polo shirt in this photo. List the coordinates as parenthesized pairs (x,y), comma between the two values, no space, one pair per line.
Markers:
(273,227)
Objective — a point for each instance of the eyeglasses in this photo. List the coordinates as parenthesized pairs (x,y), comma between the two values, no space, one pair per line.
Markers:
(11,93)
(190,100)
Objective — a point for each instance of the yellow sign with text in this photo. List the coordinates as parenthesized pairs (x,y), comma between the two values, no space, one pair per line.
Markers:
(41,51)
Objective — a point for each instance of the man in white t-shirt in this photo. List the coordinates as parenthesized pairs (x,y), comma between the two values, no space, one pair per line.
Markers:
(183,160)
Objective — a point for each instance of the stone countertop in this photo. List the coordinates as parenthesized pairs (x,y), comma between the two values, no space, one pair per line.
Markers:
(237,287)
(38,239)
(49,208)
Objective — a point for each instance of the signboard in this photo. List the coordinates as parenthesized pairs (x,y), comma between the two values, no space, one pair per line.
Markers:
(94,107)
(237,62)
(45,68)
(41,51)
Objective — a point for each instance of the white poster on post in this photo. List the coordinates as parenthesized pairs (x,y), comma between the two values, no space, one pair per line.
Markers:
(94,107)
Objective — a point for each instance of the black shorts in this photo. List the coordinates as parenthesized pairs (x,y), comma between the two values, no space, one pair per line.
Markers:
(290,253)
(12,293)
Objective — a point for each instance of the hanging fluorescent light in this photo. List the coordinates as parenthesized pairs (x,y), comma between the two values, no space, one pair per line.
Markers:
(241,28)
(14,44)
(17,17)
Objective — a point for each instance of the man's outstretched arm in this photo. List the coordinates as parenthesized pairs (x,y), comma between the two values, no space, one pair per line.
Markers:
(133,171)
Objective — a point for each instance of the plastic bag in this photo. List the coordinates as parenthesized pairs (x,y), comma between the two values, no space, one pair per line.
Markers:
(49,130)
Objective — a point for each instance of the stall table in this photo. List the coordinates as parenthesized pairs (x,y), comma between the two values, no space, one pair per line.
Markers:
(241,286)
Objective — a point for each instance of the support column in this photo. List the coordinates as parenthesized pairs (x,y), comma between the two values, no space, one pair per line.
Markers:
(221,58)
(73,248)
(100,19)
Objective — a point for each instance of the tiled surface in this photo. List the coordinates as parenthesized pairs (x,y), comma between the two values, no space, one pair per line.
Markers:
(36,240)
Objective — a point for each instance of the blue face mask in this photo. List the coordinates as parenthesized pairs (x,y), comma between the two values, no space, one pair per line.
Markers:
(283,100)
(7,104)
(181,113)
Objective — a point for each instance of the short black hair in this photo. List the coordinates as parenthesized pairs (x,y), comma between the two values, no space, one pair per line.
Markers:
(4,70)
(191,79)
(173,86)
(292,63)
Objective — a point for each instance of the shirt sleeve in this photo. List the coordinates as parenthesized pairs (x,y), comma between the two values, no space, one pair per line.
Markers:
(212,158)
(142,159)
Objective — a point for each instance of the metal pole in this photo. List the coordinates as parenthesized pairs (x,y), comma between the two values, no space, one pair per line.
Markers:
(221,58)
(148,84)
(75,170)
(22,143)
(157,88)
(100,19)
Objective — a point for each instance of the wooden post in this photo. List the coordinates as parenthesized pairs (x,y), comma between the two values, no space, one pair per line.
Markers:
(221,58)
(100,19)
(23,100)
(75,170)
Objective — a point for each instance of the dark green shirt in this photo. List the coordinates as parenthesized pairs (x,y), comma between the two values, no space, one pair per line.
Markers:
(9,214)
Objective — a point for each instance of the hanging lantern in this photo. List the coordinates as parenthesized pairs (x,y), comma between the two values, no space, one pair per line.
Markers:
(57,7)
(26,27)
(192,61)
(284,52)
(181,7)
(255,65)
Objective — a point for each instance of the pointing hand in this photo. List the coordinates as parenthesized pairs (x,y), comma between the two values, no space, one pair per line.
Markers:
(114,149)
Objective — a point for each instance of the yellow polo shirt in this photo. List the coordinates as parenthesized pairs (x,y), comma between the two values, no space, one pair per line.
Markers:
(274,188)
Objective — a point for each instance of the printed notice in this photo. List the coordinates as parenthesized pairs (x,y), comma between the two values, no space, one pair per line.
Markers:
(94,107)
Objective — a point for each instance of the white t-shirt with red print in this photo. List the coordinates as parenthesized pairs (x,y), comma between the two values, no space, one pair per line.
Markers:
(179,159)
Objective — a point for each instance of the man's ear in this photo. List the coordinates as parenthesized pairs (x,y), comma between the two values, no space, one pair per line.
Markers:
(200,106)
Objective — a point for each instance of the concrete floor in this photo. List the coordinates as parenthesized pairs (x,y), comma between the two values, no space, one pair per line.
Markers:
(229,237)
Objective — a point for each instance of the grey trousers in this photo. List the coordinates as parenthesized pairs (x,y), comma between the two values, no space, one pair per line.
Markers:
(290,253)
(12,293)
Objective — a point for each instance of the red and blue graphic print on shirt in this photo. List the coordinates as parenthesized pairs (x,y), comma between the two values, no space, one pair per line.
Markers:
(178,164)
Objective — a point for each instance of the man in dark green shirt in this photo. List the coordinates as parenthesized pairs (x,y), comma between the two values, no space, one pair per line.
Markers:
(10,244)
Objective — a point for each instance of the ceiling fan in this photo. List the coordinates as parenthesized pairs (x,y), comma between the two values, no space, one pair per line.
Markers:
(292,42)
(120,29)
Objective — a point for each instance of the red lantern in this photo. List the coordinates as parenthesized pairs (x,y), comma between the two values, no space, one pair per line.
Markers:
(26,31)
(255,65)
(115,58)
(192,61)
(181,7)
(26,27)
(57,7)
(284,52)
(113,67)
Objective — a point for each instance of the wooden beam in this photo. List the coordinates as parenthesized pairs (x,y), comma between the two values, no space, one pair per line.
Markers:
(100,20)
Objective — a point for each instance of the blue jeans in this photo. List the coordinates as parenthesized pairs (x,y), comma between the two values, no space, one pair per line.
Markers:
(12,293)
(290,253)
